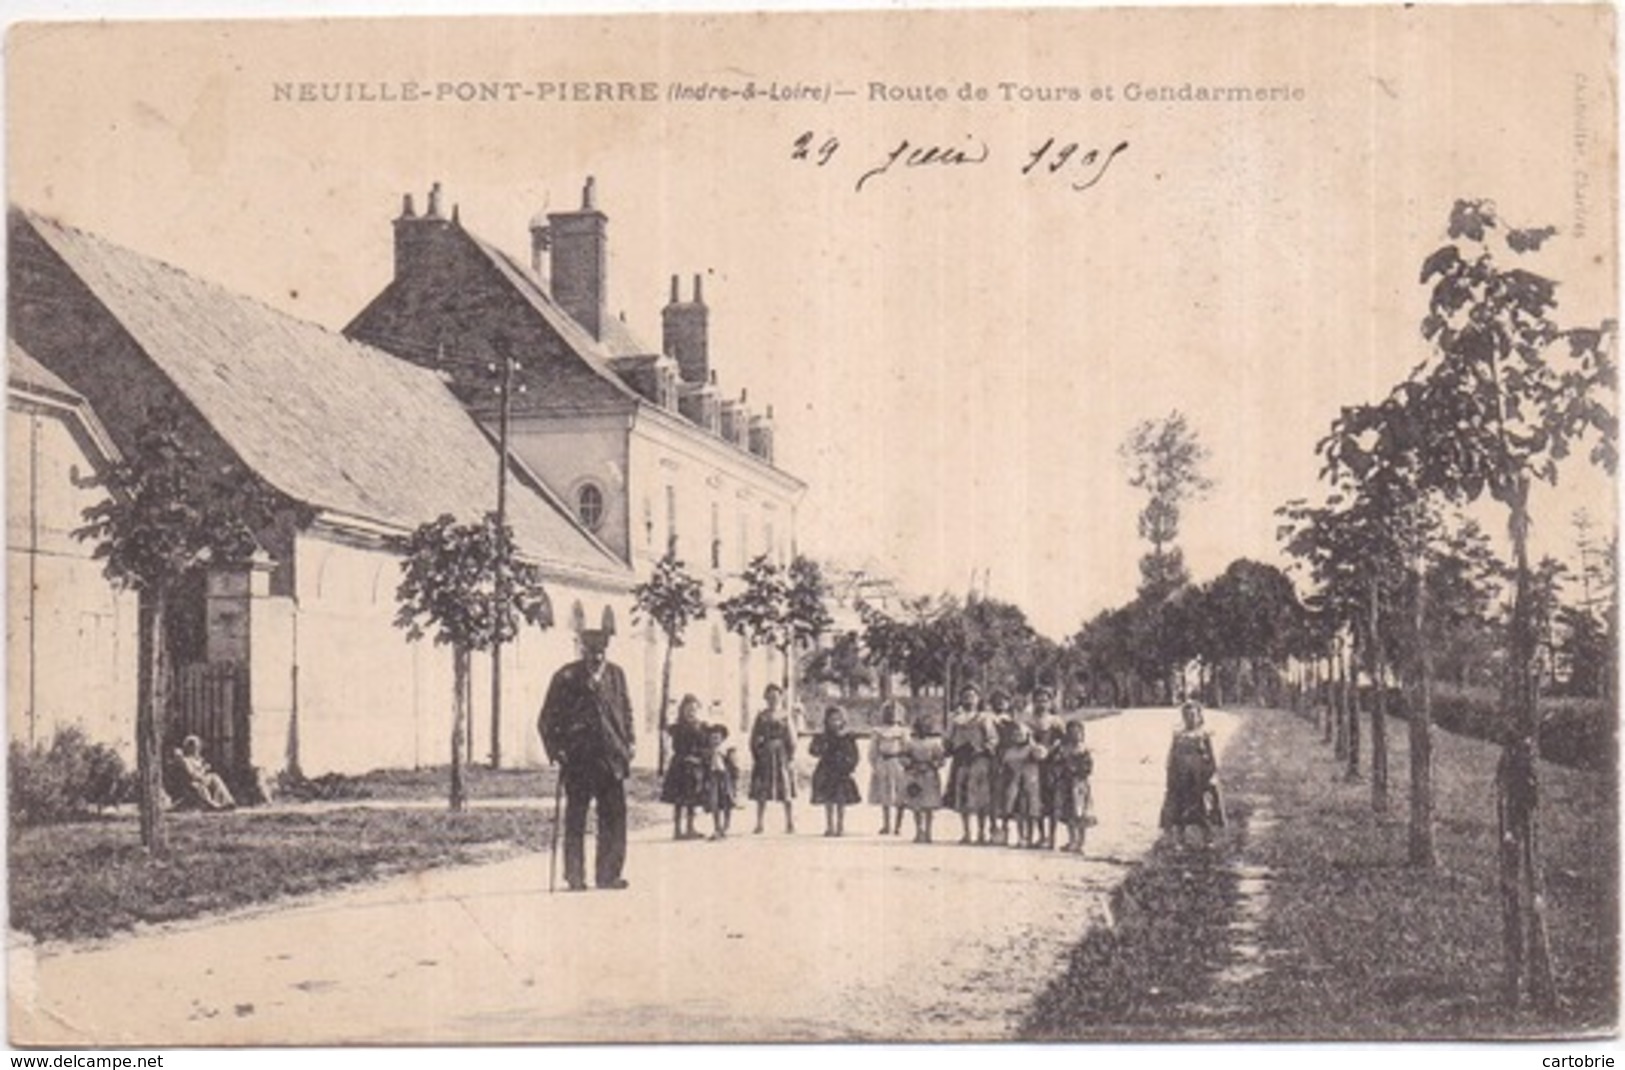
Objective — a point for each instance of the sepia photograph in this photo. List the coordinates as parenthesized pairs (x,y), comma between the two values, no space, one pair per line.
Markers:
(1065,526)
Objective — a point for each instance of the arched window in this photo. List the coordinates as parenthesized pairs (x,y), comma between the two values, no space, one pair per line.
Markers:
(590,506)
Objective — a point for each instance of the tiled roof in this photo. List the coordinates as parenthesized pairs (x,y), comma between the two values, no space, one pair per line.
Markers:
(621,342)
(594,354)
(327,421)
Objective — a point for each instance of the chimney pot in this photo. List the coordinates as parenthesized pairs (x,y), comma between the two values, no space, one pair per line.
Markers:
(698,300)
(456,216)
(589,195)
(407,211)
(541,239)
(674,293)
(434,202)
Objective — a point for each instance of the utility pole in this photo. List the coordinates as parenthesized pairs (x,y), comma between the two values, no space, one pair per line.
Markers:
(506,356)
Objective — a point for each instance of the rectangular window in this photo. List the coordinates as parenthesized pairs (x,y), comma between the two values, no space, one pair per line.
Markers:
(716,535)
(671,518)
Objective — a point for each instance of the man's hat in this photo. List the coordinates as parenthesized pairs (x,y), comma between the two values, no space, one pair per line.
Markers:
(594,639)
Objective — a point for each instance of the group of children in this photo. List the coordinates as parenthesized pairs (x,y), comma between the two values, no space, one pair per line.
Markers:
(1028,772)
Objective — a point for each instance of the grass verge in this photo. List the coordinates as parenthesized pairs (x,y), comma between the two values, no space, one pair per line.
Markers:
(1308,924)
(92,879)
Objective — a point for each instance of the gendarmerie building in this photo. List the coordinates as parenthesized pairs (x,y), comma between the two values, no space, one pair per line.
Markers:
(644,443)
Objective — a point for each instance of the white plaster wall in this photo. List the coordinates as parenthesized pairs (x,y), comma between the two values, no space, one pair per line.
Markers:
(71,641)
(368,699)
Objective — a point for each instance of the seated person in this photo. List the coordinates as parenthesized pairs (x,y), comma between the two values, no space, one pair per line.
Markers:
(195,783)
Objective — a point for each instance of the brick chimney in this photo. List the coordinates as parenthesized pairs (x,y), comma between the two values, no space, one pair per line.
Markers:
(698,402)
(579,252)
(761,436)
(684,334)
(416,235)
(734,420)
(541,241)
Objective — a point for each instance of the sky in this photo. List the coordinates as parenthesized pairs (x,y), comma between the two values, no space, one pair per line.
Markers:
(953,351)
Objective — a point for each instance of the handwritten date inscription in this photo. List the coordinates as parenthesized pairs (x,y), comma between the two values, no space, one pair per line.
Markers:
(1078,165)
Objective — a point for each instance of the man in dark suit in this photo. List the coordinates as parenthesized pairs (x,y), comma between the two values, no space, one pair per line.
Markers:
(586,728)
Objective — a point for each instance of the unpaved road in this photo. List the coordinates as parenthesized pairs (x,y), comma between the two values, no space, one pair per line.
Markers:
(763,938)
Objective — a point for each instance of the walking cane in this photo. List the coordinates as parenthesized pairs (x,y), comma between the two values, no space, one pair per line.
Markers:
(553,851)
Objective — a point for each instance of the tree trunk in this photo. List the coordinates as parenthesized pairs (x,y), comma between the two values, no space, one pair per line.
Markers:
(1379,706)
(1351,712)
(1340,723)
(152,705)
(1526,947)
(1422,851)
(1328,700)
(496,705)
(460,659)
(665,704)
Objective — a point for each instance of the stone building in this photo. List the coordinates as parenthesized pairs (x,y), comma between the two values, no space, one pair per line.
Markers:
(70,636)
(357,445)
(640,442)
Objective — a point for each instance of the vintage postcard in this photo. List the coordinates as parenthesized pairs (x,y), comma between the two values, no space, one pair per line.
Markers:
(1072,524)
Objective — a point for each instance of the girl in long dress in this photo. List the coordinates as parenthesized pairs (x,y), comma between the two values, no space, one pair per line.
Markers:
(972,737)
(923,758)
(886,773)
(833,787)
(772,749)
(1006,728)
(1192,793)
(684,784)
(1048,731)
(1021,763)
(1071,800)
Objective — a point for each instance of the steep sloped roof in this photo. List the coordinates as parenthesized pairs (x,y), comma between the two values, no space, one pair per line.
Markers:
(592,352)
(327,421)
(24,370)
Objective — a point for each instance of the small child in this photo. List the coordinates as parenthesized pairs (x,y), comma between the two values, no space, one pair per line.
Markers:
(722,774)
(886,774)
(923,759)
(1048,731)
(1022,763)
(772,759)
(832,784)
(684,784)
(1071,800)
(1006,728)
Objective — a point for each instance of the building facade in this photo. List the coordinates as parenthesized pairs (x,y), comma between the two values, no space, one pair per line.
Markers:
(70,636)
(639,442)
(358,448)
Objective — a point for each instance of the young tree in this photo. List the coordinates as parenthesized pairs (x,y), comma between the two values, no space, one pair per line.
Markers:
(169,515)
(784,609)
(1350,548)
(806,607)
(671,598)
(757,611)
(841,665)
(449,585)
(1164,458)
(1506,396)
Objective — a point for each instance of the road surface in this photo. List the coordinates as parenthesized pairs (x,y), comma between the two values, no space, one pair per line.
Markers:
(759,938)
